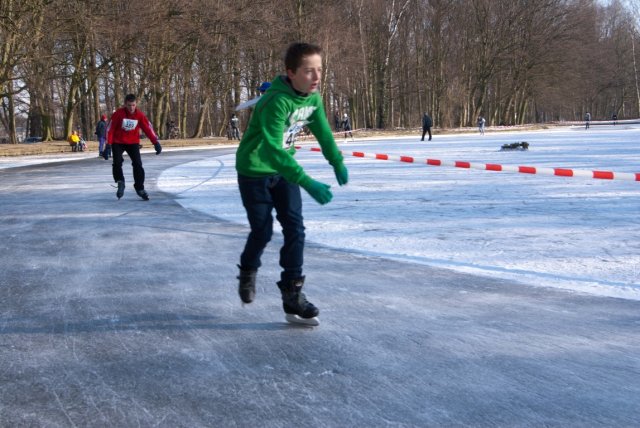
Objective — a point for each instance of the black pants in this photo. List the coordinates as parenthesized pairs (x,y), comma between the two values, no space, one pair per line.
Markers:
(259,197)
(426,129)
(133,150)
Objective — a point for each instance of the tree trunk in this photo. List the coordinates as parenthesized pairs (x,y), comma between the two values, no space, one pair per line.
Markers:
(69,110)
(11,116)
(635,69)
(202,114)
(185,107)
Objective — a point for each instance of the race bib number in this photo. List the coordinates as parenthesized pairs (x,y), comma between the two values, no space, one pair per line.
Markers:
(129,124)
(297,121)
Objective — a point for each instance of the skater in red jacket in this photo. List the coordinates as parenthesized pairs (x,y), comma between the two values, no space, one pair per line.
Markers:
(123,135)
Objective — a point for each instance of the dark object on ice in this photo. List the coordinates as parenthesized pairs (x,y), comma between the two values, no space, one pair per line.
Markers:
(522,145)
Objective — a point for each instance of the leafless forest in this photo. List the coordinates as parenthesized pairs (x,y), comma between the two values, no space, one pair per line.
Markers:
(66,62)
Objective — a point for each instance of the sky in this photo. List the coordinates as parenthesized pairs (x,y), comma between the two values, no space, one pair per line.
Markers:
(575,233)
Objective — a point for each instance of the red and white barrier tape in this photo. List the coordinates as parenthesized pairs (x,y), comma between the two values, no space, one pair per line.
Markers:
(562,172)
(304,137)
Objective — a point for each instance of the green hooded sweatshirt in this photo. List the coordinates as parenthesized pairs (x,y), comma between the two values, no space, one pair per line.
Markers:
(267,147)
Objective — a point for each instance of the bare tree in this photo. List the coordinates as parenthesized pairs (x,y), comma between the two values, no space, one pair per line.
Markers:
(385,61)
(20,32)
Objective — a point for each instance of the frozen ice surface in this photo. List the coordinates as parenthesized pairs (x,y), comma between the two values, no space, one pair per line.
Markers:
(126,313)
(575,233)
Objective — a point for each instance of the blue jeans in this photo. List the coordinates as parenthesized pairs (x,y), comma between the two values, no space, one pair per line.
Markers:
(259,197)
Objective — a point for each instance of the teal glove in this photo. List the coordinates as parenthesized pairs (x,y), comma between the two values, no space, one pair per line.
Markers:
(318,191)
(342,175)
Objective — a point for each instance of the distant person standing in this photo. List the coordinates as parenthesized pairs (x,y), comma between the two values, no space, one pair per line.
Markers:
(481,122)
(615,119)
(587,119)
(101,133)
(336,121)
(82,145)
(235,127)
(346,126)
(123,135)
(169,128)
(427,123)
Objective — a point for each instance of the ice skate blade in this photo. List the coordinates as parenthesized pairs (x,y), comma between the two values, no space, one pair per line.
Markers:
(295,319)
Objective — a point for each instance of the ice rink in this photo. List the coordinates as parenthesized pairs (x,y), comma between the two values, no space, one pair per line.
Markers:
(576,233)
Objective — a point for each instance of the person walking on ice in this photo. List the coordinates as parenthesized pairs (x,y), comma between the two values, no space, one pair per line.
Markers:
(587,119)
(346,126)
(235,127)
(101,133)
(427,123)
(270,178)
(123,135)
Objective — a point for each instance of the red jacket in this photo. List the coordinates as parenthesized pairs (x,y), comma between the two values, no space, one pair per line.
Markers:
(124,128)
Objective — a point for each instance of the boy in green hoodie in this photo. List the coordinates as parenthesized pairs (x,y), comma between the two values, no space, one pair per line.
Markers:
(269,177)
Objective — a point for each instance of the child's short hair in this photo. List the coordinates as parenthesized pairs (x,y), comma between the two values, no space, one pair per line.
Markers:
(297,51)
(129,98)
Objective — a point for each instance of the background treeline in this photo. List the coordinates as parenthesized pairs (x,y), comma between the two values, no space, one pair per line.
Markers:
(65,62)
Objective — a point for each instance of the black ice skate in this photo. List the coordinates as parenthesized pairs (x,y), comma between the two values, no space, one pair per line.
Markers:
(143,194)
(247,284)
(120,191)
(295,304)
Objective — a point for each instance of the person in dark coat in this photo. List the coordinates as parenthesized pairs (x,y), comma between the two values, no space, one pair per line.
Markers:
(101,133)
(587,120)
(427,123)
(346,126)
(235,127)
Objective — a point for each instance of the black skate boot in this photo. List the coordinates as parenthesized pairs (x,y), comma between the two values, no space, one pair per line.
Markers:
(120,191)
(295,304)
(247,284)
(143,194)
